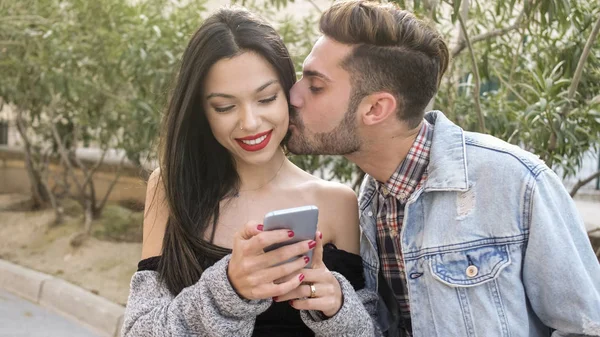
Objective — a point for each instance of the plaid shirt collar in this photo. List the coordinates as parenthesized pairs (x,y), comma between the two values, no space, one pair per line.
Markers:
(412,170)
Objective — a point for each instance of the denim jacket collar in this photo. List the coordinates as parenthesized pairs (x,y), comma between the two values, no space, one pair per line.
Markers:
(447,169)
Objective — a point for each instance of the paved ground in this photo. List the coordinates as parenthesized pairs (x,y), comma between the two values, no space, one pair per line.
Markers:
(21,318)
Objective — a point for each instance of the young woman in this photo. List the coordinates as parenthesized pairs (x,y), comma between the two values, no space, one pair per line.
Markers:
(204,271)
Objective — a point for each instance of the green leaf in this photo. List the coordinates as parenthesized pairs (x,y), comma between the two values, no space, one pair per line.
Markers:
(156,30)
(455,10)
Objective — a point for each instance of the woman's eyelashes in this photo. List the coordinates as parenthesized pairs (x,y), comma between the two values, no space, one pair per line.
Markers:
(230,107)
(268,100)
(224,109)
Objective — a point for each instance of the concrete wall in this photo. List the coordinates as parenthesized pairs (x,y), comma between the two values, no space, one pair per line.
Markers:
(14,179)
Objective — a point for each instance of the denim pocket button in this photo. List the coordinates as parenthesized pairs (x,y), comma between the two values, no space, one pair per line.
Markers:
(472,271)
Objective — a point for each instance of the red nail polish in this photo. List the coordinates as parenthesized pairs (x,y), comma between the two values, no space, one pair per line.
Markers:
(291,234)
(301,277)
(260,227)
(312,244)
(320,235)
(306,259)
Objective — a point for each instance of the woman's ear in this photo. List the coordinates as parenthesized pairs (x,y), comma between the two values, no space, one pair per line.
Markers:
(378,107)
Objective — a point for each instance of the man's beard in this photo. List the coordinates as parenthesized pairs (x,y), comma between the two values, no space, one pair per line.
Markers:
(342,140)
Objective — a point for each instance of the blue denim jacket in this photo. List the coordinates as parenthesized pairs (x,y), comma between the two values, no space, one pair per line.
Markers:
(493,244)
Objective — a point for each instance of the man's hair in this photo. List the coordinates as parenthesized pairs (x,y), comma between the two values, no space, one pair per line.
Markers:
(395,52)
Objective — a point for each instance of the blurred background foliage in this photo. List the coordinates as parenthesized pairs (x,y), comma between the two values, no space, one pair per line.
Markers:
(97,74)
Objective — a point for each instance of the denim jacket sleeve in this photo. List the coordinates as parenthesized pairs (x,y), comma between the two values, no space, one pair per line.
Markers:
(561,273)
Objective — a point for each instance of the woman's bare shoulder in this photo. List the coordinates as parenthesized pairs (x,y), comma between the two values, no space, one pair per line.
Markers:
(338,210)
(156,214)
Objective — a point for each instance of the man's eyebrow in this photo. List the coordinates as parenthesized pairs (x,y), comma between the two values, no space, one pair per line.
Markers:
(314,73)
(261,88)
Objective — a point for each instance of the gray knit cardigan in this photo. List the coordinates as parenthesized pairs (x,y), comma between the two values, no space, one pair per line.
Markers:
(212,308)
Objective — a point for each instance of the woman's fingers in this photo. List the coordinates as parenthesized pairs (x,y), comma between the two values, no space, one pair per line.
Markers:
(327,305)
(318,251)
(249,230)
(255,274)
(270,275)
(286,253)
(256,244)
(272,290)
(325,295)
(314,277)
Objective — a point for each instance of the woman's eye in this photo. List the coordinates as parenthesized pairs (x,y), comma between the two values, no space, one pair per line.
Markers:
(315,89)
(268,100)
(224,109)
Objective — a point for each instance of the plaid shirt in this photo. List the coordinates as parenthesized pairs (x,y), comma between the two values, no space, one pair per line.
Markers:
(392,198)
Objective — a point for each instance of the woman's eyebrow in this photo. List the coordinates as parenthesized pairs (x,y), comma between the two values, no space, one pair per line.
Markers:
(264,86)
(261,88)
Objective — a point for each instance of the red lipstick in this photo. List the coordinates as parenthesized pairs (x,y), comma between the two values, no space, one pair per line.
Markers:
(251,143)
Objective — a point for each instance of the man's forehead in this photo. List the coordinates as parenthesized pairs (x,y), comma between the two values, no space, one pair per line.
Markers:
(326,55)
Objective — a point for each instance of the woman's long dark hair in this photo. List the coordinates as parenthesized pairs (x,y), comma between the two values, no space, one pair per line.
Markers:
(196,171)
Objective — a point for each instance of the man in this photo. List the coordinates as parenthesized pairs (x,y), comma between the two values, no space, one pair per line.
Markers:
(462,233)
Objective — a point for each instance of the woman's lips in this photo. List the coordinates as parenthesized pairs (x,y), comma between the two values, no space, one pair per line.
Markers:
(256,142)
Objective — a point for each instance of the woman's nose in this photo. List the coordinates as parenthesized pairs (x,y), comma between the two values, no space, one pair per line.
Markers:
(249,119)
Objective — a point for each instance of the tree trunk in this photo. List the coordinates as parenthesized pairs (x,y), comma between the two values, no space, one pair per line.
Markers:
(58,210)
(40,194)
(583,182)
(89,217)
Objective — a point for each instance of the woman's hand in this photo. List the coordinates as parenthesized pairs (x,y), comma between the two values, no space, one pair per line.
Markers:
(325,294)
(251,270)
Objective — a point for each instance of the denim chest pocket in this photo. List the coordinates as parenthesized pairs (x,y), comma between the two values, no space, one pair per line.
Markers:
(469,267)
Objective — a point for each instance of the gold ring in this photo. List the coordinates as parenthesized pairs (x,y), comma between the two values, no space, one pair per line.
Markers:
(313,291)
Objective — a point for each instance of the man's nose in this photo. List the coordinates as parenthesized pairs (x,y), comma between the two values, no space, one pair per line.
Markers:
(295,96)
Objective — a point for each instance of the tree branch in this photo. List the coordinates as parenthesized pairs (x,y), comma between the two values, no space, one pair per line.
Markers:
(476,74)
(315,6)
(510,87)
(40,192)
(583,182)
(488,35)
(90,172)
(112,185)
(63,154)
(575,83)
(583,59)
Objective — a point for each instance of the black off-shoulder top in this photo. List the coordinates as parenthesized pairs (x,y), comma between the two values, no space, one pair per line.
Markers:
(281,319)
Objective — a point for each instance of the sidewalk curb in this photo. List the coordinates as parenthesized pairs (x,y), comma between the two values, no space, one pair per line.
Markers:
(96,312)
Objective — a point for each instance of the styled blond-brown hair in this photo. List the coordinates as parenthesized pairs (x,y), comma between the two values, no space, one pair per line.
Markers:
(395,52)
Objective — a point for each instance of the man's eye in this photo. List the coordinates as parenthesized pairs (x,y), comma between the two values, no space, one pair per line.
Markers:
(315,89)
(225,109)
(268,100)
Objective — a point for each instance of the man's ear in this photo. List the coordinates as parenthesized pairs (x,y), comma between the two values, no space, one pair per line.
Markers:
(378,107)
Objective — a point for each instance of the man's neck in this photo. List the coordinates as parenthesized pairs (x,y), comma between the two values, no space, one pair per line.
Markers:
(381,155)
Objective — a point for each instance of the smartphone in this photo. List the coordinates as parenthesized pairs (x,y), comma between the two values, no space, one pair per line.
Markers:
(302,220)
